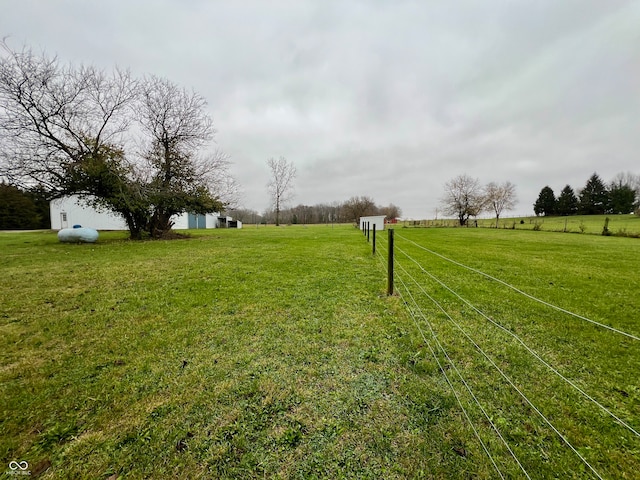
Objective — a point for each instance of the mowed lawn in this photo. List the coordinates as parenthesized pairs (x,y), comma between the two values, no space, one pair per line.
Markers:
(274,352)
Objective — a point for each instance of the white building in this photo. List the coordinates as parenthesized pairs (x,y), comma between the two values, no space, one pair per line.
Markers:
(69,211)
(377,220)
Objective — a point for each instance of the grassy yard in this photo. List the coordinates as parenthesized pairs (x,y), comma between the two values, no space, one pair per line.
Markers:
(273,352)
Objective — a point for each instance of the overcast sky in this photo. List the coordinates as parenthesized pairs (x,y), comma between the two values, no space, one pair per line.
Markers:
(388,99)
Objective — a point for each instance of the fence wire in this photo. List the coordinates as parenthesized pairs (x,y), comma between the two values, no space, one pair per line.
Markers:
(531,297)
(415,310)
(526,347)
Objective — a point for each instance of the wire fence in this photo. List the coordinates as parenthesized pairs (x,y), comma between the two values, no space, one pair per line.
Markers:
(530,410)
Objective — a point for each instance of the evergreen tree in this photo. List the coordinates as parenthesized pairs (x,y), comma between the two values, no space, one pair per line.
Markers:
(546,202)
(567,203)
(17,209)
(622,198)
(40,198)
(594,198)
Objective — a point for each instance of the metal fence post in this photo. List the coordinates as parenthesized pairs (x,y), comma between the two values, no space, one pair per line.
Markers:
(390,264)
(374,239)
(368,227)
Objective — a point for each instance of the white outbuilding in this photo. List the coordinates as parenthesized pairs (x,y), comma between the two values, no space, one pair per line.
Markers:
(69,211)
(377,220)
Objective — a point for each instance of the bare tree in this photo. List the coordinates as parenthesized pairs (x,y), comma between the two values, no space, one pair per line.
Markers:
(500,197)
(67,128)
(53,117)
(391,211)
(280,186)
(357,207)
(176,126)
(463,198)
(627,178)
(245,215)
(214,171)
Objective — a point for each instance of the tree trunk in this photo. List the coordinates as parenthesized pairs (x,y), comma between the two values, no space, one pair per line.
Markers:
(135,232)
(160,224)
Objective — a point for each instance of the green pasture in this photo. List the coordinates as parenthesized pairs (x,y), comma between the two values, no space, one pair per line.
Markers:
(618,225)
(595,278)
(275,353)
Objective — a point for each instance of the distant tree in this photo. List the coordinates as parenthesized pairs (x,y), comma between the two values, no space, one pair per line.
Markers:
(546,202)
(17,209)
(280,186)
(302,214)
(390,212)
(268,216)
(324,213)
(500,197)
(463,198)
(567,203)
(630,179)
(245,215)
(594,197)
(335,213)
(41,199)
(622,198)
(357,207)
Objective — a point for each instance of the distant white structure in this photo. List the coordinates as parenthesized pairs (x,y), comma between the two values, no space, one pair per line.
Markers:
(377,220)
(69,211)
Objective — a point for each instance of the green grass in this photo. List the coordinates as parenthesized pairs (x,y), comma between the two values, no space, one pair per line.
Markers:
(619,225)
(234,354)
(273,352)
(593,276)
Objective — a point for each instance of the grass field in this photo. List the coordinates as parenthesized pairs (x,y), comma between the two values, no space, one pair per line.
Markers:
(618,225)
(595,277)
(274,353)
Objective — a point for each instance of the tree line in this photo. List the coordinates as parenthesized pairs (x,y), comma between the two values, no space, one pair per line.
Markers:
(620,196)
(23,209)
(133,146)
(348,211)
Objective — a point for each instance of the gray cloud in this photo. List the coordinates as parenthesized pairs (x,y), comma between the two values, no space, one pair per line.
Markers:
(390,98)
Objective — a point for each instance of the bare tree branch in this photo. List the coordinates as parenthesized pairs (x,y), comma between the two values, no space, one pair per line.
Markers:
(53,115)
